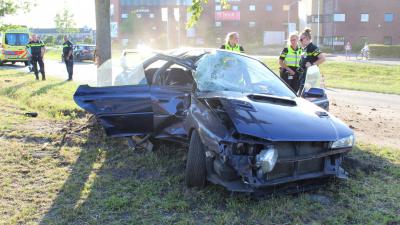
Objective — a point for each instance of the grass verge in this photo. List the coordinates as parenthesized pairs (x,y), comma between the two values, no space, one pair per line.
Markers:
(54,53)
(68,172)
(356,76)
(51,98)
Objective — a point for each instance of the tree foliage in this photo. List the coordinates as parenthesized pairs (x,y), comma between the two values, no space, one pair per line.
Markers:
(197,8)
(65,23)
(10,7)
(50,40)
(10,26)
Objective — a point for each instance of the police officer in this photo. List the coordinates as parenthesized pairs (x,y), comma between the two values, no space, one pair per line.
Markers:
(232,43)
(289,62)
(68,58)
(310,56)
(37,49)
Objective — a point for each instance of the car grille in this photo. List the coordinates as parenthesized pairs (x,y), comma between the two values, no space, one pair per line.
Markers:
(296,158)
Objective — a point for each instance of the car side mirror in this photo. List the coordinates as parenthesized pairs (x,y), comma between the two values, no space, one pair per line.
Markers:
(314,93)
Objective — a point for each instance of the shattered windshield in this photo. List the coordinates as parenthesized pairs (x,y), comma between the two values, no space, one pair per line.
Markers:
(226,71)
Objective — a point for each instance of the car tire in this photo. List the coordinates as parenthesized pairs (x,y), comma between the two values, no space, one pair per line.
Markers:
(26,63)
(1,63)
(196,172)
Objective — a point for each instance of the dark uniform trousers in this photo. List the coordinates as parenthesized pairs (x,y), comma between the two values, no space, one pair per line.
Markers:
(69,63)
(292,80)
(35,60)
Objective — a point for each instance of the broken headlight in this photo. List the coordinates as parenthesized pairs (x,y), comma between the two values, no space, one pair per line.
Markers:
(266,160)
(344,142)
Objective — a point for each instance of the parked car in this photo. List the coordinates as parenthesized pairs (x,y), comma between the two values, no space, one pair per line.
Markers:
(245,128)
(83,52)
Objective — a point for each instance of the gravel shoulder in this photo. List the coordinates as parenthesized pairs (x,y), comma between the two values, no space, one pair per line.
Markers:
(374,117)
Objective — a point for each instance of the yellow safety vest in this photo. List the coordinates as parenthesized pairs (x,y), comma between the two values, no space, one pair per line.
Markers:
(292,58)
(235,48)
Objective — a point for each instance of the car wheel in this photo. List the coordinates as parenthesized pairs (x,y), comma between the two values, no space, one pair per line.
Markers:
(1,63)
(26,63)
(196,163)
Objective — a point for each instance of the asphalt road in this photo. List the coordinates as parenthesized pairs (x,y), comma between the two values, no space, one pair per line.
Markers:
(84,72)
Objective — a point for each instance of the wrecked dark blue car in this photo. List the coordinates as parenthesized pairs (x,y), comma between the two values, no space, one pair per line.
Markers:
(244,127)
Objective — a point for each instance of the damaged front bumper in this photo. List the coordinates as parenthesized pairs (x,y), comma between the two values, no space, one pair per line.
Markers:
(237,168)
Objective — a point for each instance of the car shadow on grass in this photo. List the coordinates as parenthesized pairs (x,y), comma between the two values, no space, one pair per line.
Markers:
(11,90)
(46,88)
(112,184)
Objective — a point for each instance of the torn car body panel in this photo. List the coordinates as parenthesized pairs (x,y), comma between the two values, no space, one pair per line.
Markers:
(121,110)
(256,132)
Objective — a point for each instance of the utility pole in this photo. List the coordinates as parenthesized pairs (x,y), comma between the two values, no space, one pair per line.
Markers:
(103,41)
(103,37)
(318,23)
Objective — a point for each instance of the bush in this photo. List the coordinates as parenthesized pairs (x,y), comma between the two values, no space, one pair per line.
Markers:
(88,40)
(384,51)
(49,40)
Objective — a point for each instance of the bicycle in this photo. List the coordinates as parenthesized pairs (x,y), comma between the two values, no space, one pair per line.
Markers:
(363,54)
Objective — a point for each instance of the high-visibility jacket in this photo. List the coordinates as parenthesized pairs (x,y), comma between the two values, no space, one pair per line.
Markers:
(292,58)
(235,48)
(35,47)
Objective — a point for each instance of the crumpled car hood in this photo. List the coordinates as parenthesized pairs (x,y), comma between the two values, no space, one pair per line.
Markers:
(293,120)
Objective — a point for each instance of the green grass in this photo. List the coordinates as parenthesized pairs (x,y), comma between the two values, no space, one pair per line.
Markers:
(53,53)
(356,76)
(51,98)
(66,172)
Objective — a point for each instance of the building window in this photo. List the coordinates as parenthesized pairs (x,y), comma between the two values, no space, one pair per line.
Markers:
(338,40)
(389,17)
(268,7)
(252,24)
(124,16)
(339,17)
(252,7)
(218,23)
(139,16)
(387,40)
(217,7)
(235,8)
(364,17)
(327,40)
(151,15)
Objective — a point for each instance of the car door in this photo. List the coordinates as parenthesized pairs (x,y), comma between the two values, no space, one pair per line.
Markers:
(170,93)
(124,109)
(121,110)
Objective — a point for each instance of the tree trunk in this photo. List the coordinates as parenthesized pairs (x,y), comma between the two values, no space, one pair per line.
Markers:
(103,42)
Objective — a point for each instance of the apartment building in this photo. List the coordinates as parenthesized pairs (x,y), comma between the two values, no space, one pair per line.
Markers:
(259,22)
(356,21)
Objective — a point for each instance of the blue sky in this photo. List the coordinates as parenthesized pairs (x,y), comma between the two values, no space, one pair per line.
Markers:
(43,15)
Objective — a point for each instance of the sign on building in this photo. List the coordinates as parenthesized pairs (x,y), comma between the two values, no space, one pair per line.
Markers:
(164,14)
(292,27)
(114,29)
(227,15)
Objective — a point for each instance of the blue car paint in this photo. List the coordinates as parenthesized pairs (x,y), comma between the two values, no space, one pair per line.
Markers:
(173,113)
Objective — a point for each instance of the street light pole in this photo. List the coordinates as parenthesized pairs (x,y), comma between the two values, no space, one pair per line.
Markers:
(318,23)
(288,16)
